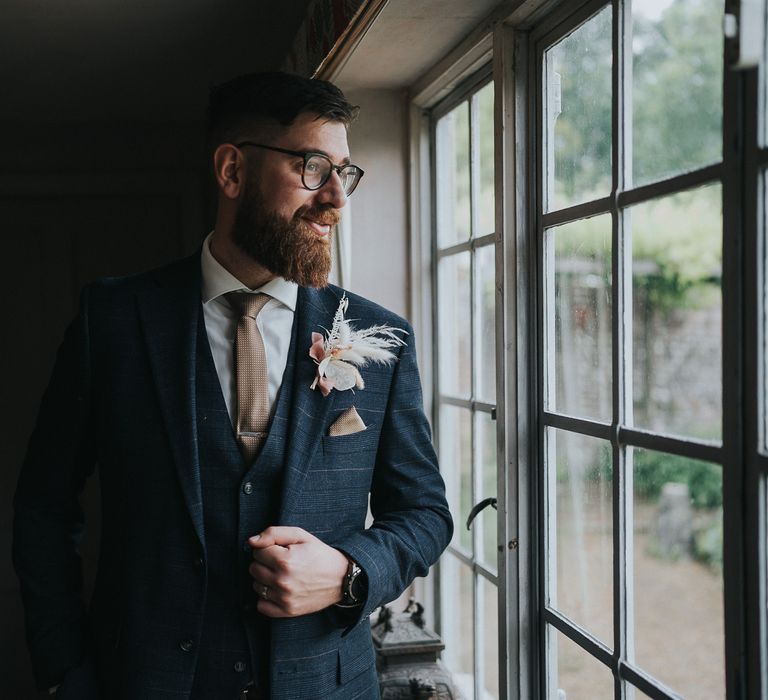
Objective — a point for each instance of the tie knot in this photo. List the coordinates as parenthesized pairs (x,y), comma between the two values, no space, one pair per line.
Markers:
(247,304)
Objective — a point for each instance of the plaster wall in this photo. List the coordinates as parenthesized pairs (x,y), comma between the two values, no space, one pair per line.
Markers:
(378,209)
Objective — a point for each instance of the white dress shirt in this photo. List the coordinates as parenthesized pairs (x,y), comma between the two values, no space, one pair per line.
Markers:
(274,322)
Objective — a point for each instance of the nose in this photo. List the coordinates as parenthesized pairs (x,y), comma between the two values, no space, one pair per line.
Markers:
(332,192)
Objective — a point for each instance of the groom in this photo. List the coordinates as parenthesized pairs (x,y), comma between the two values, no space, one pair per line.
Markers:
(235,473)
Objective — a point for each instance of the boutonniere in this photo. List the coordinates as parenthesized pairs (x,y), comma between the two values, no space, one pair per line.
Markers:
(344,348)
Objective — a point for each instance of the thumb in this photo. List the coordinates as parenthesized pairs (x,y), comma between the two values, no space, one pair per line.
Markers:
(279,535)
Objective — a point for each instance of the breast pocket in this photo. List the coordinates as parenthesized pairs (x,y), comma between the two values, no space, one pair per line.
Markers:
(340,478)
(362,441)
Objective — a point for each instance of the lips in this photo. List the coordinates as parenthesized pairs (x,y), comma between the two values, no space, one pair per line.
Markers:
(320,221)
(318,227)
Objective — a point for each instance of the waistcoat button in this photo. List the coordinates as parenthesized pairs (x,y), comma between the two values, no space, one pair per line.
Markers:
(187,644)
(248,488)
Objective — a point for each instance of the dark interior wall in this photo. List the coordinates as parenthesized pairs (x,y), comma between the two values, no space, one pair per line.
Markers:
(77,201)
(101,173)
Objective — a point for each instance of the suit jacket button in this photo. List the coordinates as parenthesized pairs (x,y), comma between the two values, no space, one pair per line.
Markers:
(187,644)
(239,667)
(248,488)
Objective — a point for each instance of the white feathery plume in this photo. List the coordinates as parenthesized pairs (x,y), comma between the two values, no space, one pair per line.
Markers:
(347,348)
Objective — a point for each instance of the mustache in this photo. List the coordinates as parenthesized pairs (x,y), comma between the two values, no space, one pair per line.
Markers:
(326,215)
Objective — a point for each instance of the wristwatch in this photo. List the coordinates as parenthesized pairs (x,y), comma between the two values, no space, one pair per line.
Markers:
(353,588)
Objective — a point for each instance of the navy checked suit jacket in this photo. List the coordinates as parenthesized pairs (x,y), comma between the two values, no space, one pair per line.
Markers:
(122,400)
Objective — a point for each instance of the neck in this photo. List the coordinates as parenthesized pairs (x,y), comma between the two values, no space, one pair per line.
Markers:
(235,261)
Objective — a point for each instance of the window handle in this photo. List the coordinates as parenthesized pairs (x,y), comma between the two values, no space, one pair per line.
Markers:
(478,507)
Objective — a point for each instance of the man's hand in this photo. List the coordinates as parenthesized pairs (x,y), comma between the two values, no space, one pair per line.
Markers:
(294,573)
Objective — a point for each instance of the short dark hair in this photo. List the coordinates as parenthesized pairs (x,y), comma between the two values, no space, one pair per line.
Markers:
(236,106)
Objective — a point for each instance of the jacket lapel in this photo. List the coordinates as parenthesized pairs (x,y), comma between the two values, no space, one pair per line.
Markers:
(309,408)
(170,312)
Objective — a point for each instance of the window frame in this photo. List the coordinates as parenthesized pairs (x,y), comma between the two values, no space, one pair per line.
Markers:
(509,43)
(461,94)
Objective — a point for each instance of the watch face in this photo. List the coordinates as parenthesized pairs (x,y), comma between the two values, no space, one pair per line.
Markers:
(358,587)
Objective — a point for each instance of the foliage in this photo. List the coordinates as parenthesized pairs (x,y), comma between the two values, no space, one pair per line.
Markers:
(708,543)
(678,75)
(676,126)
(704,480)
(676,95)
(654,469)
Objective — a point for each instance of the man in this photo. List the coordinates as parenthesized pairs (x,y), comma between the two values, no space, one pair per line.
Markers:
(235,561)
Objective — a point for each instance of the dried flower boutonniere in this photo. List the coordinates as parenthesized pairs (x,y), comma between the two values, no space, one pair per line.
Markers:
(343,349)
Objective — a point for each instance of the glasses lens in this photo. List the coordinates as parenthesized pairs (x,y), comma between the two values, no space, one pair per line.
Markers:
(316,171)
(350,176)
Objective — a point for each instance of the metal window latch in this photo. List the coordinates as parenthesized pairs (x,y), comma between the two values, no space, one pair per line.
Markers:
(744,27)
(478,507)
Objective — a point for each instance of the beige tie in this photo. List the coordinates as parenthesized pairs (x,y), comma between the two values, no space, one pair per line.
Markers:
(251,374)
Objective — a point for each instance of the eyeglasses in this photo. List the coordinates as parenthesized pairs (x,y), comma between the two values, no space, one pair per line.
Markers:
(317,168)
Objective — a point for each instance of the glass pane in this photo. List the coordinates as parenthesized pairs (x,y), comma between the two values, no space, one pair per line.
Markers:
(452,176)
(456,599)
(578,299)
(577,113)
(485,331)
(580,502)
(488,604)
(677,310)
(456,466)
(573,674)
(454,320)
(486,469)
(678,578)
(677,86)
(485,199)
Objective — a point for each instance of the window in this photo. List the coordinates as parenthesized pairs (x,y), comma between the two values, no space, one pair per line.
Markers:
(630,230)
(465,387)
(627,272)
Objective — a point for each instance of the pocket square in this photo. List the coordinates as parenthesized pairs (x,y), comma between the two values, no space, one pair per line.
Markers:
(347,423)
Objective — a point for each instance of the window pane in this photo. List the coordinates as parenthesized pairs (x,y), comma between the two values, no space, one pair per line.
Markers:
(452,176)
(456,466)
(577,113)
(580,504)
(456,596)
(485,332)
(678,580)
(454,324)
(573,674)
(677,86)
(677,307)
(486,521)
(485,199)
(578,299)
(489,607)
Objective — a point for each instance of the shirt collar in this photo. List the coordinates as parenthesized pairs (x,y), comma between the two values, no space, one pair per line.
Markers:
(217,281)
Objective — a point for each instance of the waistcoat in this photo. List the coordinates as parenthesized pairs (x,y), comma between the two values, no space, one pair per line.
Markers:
(239,500)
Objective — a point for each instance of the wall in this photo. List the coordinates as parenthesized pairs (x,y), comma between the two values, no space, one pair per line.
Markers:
(378,208)
(77,201)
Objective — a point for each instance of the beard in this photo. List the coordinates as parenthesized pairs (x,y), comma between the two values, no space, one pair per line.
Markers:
(288,248)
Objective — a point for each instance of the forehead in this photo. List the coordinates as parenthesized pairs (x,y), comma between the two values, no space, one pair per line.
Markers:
(308,133)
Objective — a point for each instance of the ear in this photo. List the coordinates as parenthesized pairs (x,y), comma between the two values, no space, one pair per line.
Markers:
(228,167)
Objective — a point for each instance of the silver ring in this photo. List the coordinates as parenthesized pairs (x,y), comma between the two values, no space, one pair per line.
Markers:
(264,592)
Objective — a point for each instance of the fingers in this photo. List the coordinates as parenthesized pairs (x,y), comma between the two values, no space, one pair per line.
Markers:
(279,535)
(263,574)
(269,609)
